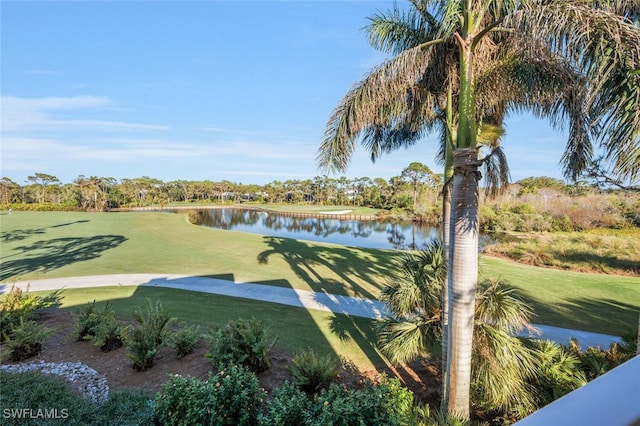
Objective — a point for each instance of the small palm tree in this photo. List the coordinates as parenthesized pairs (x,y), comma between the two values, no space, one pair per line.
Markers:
(503,366)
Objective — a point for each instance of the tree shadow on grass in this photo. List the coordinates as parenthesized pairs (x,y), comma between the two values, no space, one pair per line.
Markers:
(47,255)
(421,376)
(23,234)
(604,316)
(348,266)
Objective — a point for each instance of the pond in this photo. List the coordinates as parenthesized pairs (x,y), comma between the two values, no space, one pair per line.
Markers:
(358,233)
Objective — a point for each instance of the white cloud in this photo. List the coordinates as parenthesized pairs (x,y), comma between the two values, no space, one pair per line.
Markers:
(37,114)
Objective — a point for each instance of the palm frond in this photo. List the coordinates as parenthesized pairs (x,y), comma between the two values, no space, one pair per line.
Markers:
(391,103)
(503,368)
(496,172)
(499,305)
(604,47)
(399,30)
(404,341)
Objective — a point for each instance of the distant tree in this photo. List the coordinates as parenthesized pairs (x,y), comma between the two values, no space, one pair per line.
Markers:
(417,174)
(43,180)
(9,191)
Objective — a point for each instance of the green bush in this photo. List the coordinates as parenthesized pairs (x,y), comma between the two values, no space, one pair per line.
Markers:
(109,334)
(18,306)
(242,342)
(288,406)
(88,320)
(386,403)
(125,407)
(36,390)
(557,371)
(231,397)
(312,372)
(184,339)
(25,340)
(595,361)
(144,341)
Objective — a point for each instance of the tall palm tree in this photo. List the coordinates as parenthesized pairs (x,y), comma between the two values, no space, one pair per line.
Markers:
(568,60)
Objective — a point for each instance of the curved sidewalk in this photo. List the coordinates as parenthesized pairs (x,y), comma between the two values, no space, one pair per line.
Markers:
(287,296)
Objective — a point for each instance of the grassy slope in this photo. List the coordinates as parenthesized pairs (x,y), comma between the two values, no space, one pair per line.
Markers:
(43,245)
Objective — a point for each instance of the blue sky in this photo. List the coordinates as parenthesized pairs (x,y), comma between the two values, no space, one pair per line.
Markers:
(204,90)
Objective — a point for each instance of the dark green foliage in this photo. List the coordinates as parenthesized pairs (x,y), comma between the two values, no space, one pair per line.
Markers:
(242,342)
(595,361)
(109,333)
(25,340)
(287,407)
(87,321)
(144,341)
(312,372)
(125,408)
(385,404)
(184,339)
(18,306)
(557,371)
(35,390)
(231,397)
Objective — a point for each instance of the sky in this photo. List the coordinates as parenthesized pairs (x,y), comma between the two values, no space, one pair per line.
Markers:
(199,90)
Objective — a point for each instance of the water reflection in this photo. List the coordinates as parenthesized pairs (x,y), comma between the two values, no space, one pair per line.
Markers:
(370,234)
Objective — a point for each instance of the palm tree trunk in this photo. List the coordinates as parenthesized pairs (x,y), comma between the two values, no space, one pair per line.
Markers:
(462,278)
(446,239)
(446,223)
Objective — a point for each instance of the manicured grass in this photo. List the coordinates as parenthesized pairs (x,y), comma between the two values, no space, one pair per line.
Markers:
(296,329)
(595,302)
(62,244)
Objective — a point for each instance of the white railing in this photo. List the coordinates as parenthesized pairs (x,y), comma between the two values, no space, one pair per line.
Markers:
(612,399)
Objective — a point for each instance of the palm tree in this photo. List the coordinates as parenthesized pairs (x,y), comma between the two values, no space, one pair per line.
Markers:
(565,60)
(503,365)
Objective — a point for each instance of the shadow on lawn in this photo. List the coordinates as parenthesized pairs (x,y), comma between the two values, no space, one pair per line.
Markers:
(47,255)
(604,316)
(346,263)
(22,234)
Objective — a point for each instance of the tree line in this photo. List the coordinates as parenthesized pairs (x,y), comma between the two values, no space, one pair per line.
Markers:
(406,191)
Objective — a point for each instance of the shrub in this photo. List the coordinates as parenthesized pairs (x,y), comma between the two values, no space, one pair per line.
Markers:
(383,403)
(242,342)
(287,407)
(557,371)
(18,306)
(125,407)
(109,333)
(184,339)
(595,361)
(312,372)
(87,321)
(26,340)
(231,397)
(144,341)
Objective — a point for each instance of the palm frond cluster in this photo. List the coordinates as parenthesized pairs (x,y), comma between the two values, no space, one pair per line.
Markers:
(511,375)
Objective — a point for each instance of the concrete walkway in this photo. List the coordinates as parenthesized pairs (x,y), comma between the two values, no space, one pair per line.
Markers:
(287,296)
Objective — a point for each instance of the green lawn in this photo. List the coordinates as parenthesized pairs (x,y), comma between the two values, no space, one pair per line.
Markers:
(595,302)
(62,244)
